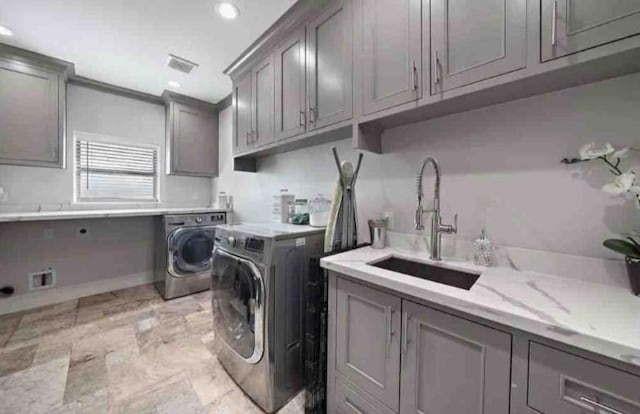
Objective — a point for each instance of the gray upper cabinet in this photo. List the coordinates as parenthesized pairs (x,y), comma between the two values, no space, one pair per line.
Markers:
(473,40)
(392,53)
(263,103)
(451,365)
(192,140)
(32,114)
(290,65)
(569,26)
(368,340)
(329,66)
(242,124)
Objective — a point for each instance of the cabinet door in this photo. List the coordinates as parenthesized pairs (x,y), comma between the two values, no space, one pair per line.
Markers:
(263,102)
(569,26)
(329,66)
(473,40)
(451,365)
(194,141)
(368,340)
(242,114)
(31,115)
(392,53)
(290,87)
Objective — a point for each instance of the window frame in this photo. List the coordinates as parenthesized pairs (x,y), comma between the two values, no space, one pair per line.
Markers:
(107,139)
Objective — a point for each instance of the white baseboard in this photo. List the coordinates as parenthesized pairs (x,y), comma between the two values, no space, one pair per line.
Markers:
(62,294)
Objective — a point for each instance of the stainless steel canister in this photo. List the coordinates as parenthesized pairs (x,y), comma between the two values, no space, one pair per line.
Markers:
(378,232)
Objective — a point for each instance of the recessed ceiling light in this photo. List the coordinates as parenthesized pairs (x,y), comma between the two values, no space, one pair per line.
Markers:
(4,31)
(227,10)
(173,84)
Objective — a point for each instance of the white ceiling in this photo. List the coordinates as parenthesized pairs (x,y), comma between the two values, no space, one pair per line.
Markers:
(126,42)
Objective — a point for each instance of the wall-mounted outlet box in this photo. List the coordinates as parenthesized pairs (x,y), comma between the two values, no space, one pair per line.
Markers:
(42,280)
(48,234)
(388,214)
(4,195)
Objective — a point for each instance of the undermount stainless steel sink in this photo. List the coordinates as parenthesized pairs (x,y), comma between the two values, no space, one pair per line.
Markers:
(446,276)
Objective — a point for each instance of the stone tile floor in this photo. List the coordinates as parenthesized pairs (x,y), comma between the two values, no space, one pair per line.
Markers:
(126,351)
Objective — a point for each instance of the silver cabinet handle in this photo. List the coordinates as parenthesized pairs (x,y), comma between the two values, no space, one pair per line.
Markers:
(415,76)
(600,406)
(303,120)
(436,66)
(390,332)
(405,331)
(554,23)
(312,114)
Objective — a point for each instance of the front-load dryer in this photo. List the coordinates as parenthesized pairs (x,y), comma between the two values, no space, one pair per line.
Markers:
(258,276)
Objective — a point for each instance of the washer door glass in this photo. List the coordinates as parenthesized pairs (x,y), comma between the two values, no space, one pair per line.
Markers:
(237,302)
(191,250)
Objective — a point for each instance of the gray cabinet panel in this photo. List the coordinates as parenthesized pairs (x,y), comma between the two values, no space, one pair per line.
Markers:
(32,115)
(348,400)
(368,340)
(242,114)
(329,66)
(451,365)
(263,103)
(194,141)
(569,26)
(290,87)
(562,383)
(475,40)
(392,53)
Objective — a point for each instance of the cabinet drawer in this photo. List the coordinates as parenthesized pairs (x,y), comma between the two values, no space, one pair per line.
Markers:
(348,400)
(563,383)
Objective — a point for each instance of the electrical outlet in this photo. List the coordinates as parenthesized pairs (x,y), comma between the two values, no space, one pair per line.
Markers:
(48,234)
(4,195)
(195,196)
(44,279)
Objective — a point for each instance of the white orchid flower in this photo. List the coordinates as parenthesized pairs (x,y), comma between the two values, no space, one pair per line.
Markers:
(621,153)
(624,184)
(594,150)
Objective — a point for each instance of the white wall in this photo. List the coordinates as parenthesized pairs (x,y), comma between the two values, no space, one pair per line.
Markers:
(500,166)
(111,248)
(97,112)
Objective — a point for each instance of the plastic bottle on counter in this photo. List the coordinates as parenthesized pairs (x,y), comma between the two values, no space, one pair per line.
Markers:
(280,206)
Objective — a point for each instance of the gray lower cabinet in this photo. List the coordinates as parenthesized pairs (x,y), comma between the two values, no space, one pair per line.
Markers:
(192,140)
(263,103)
(368,340)
(474,40)
(570,26)
(349,400)
(329,66)
(451,365)
(242,124)
(32,114)
(391,53)
(290,66)
(563,383)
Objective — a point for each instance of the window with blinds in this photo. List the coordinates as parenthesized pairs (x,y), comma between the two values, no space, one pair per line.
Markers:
(115,172)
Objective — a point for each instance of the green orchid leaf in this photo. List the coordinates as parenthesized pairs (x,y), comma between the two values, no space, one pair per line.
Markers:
(623,247)
(635,243)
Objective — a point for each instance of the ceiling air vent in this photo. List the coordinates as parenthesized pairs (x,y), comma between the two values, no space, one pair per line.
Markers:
(181,64)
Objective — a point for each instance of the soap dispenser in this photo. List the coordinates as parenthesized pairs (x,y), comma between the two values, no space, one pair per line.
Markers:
(482,250)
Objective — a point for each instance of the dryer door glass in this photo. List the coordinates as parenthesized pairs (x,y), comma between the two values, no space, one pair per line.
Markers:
(191,250)
(237,302)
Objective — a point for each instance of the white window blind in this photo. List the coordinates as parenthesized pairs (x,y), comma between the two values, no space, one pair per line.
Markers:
(115,172)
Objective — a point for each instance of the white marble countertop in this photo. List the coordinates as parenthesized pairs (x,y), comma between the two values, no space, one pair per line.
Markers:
(84,214)
(595,317)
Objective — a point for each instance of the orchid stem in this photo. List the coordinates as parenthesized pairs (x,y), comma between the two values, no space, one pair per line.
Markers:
(614,168)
